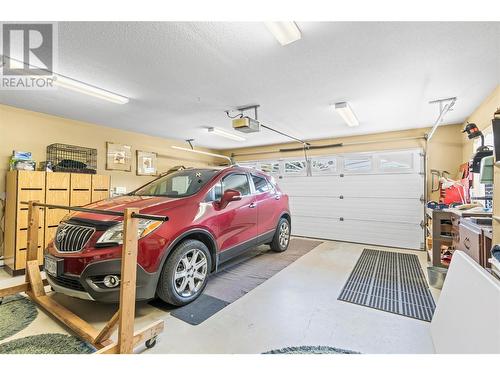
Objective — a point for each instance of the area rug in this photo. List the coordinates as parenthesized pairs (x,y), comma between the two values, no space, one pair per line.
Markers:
(311,350)
(392,282)
(238,277)
(47,343)
(16,313)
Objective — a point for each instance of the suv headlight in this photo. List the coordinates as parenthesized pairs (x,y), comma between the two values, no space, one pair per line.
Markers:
(115,233)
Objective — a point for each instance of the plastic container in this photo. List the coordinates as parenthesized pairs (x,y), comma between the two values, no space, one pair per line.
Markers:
(437,275)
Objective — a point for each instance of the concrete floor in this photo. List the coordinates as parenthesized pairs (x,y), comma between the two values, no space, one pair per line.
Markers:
(297,306)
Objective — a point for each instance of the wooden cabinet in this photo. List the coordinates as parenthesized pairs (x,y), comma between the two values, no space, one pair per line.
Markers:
(81,189)
(487,244)
(471,240)
(475,240)
(459,230)
(21,186)
(57,192)
(53,188)
(100,187)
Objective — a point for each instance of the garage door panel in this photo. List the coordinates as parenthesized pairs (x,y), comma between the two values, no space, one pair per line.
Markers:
(324,207)
(311,186)
(383,185)
(381,209)
(367,185)
(370,232)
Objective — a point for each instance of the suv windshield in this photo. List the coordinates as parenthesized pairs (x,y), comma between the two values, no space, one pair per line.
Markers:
(178,184)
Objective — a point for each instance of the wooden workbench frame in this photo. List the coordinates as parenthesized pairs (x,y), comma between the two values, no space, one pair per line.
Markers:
(123,319)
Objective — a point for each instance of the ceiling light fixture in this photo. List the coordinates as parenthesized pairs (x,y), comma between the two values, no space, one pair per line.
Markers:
(203,153)
(70,83)
(285,32)
(345,111)
(84,88)
(226,134)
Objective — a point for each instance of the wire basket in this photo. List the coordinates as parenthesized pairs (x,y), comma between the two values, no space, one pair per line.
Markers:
(69,158)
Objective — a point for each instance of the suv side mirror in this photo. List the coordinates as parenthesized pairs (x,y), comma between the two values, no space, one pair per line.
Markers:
(229,195)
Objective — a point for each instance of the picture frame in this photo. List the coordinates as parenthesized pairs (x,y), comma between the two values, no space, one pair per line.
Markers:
(146,163)
(118,157)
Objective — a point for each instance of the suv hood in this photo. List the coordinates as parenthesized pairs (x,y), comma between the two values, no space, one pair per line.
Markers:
(145,204)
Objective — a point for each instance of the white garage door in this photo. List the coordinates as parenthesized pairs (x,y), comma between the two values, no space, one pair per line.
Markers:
(372,198)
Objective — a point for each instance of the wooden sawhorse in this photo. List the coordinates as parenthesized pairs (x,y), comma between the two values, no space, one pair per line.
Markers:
(123,319)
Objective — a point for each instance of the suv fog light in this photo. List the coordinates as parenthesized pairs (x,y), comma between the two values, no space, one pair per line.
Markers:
(111,281)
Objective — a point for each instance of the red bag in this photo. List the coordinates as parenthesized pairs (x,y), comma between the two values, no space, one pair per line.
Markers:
(457,193)
(454,194)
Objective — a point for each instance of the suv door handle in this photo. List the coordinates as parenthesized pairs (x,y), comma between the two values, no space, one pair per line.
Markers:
(277,196)
(252,205)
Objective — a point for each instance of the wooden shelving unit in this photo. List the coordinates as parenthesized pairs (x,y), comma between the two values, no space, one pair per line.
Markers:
(439,219)
(55,188)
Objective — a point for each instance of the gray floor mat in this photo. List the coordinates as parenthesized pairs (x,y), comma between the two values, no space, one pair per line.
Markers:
(236,278)
(199,310)
(392,282)
(249,271)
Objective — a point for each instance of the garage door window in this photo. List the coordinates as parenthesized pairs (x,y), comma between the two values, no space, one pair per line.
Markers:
(395,162)
(323,166)
(358,164)
(271,168)
(249,165)
(295,168)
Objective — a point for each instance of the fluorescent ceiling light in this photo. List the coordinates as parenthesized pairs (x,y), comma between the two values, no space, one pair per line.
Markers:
(83,88)
(226,134)
(345,111)
(286,32)
(71,84)
(202,153)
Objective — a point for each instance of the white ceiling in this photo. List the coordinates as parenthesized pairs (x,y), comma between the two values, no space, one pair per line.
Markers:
(182,76)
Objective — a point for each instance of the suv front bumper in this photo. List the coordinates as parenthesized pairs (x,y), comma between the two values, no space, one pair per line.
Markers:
(87,286)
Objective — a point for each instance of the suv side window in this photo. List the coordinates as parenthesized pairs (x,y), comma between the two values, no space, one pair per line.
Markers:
(261,184)
(238,182)
(215,193)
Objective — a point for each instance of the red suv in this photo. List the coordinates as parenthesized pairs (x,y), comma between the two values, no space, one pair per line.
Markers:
(214,215)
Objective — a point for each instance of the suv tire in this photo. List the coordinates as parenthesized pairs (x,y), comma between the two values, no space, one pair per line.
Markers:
(185,273)
(281,237)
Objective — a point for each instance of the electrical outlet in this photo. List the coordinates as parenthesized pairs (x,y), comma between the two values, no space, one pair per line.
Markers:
(118,190)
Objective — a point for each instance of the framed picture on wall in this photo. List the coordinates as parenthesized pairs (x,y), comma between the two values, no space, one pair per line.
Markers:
(118,157)
(146,163)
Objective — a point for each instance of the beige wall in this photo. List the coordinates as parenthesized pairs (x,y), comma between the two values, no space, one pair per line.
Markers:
(482,117)
(444,150)
(32,131)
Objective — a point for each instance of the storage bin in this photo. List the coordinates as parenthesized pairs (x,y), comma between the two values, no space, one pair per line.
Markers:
(437,275)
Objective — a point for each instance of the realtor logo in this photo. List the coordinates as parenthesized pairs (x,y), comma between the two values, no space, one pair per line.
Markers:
(28,55)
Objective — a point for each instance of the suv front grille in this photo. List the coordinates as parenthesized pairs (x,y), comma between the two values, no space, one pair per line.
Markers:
(72,238)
